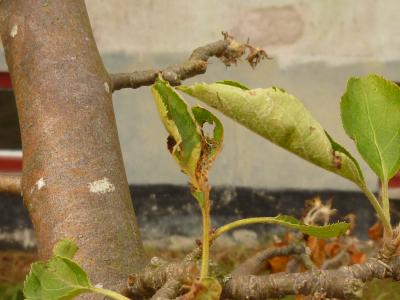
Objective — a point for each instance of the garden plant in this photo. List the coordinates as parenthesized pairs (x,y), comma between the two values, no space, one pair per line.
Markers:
(74,184)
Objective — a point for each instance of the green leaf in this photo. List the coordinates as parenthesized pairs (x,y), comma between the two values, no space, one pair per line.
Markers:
(371,117)
(60,278)
(65,248)
(283,120)
(193,146)
(184,141)
(323,232)
(204,289)
(234,83)
(214,141)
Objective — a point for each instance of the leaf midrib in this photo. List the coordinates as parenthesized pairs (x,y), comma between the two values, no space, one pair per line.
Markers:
(384,170)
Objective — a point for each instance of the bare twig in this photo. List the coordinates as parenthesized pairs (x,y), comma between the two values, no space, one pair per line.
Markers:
(343,283)
(170,290)
(153,278)
(10,184)
(227,50)
(341,259)
(254,265)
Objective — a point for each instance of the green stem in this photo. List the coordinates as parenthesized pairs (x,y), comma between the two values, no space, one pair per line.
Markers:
(381,214)
(109,293)
(385,198)
(205,211)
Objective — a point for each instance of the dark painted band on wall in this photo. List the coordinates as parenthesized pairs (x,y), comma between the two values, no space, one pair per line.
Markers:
(165,210)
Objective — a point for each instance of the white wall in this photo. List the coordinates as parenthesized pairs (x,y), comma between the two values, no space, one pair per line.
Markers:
(316,46)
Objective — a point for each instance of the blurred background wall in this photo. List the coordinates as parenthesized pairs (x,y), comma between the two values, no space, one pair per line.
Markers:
(316,46)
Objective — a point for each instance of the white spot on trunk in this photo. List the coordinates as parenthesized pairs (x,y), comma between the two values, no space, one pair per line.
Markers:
(99,286)
(106,87)
(40,184)
(101,186)
(14,31)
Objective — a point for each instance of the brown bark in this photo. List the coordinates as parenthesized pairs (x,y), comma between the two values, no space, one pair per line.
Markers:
(227,50)
(74,184)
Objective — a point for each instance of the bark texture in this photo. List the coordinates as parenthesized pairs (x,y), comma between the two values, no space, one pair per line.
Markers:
(74,183)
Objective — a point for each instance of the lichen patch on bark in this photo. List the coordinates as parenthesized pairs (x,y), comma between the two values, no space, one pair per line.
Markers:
(14,31)
(101,186)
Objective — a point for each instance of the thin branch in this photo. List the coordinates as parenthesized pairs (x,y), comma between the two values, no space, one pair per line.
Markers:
(170,290)
(254,265)
(341,259)
(227,50)
(343,283)
(10,184)
(153,278)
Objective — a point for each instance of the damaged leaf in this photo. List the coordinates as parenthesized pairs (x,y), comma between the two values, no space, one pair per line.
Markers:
(282,119)
(371,117)
(184,141)
(196,135)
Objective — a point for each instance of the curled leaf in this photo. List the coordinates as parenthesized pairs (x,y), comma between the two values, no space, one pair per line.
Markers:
(282,119)
(184,141)
(191,142)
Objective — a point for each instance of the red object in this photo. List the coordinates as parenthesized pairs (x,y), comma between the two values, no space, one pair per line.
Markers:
(5,80)
(10,164)
(395,181)
(10,161)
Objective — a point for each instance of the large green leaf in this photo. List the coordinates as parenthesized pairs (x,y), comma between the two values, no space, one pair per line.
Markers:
(60,278)
(371,117)
(184,141)
(282,119)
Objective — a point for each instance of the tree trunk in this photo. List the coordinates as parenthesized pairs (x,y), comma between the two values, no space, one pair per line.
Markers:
(74,183)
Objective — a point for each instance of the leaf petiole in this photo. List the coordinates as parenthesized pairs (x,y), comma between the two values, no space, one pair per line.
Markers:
(378,208)
(108,293)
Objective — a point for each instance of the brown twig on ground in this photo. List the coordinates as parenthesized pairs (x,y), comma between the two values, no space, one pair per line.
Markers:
(227,50)
(341,259)
(154,278)
(343,283)
(10,184)
(170,290)
(255,264)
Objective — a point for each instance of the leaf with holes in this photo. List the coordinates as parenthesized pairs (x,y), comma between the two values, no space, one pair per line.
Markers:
(282,119)
(193,146)
(184,141)
(371,117)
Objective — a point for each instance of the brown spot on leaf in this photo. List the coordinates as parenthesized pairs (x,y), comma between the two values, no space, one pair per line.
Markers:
(336,160)
(171,143)
(312,129)
(253,93)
